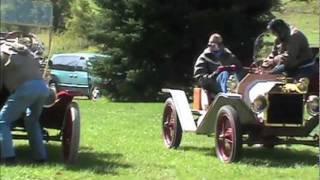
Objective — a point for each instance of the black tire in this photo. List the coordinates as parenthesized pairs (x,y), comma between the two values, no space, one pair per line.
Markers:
(89,95)
(228,138)
(71,133)
(171,128)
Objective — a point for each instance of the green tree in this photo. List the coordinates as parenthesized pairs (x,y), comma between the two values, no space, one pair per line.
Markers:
(61,13)
(83,13)
(154,43)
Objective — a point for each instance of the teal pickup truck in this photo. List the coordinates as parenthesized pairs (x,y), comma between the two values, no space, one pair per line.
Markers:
(71,72)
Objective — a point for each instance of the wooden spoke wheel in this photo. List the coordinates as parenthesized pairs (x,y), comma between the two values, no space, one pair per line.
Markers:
(171,128)
(228,138)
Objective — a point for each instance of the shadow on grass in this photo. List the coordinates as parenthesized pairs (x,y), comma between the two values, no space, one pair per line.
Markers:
(88,159)
(209,151)
(277,157)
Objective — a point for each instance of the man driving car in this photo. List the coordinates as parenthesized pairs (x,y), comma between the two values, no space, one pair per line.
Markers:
(291,53)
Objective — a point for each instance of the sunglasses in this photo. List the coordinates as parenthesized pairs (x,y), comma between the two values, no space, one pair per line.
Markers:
(213,44)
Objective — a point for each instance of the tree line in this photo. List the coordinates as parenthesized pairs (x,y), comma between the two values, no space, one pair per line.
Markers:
(154,43)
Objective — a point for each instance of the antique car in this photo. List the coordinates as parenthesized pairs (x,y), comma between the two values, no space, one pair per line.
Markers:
(262,109)
(60,118)
(71,71)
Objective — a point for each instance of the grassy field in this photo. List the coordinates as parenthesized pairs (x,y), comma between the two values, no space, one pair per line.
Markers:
(123,141)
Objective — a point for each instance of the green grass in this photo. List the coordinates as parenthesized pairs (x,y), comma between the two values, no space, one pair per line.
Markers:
(304,15)
(66,43)
(123,141)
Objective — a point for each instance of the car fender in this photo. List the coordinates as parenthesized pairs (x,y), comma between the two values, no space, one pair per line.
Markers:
(246,116)
(183,109)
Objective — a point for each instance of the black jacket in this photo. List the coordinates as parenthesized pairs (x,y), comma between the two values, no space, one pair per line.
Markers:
(207,64)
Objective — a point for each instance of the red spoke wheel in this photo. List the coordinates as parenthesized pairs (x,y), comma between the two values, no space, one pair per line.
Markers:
(228,136)
(171,128)
(71,133)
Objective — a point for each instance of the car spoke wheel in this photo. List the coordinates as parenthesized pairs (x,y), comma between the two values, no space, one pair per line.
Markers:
(71,133)
(228,138)
(171,128)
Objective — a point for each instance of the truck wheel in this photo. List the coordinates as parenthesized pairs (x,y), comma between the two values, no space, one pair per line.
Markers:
(171,128)
(228,138)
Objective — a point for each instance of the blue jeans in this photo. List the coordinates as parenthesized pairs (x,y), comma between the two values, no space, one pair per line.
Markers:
(32,95)
(298,73)
(221,81)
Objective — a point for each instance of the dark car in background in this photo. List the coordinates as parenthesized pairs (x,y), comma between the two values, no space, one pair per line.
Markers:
(72,72)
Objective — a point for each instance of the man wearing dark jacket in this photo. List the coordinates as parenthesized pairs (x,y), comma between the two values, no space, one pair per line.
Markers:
(291,53)
(208,68)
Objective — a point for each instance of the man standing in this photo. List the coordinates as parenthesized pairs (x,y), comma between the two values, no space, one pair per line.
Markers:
(208,71)
(28,92)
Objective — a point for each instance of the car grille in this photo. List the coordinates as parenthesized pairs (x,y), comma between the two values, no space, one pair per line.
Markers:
(285,109)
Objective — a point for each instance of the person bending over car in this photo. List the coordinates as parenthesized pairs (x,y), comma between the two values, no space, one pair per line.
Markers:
(291,53)
(208,69)
(22,78)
